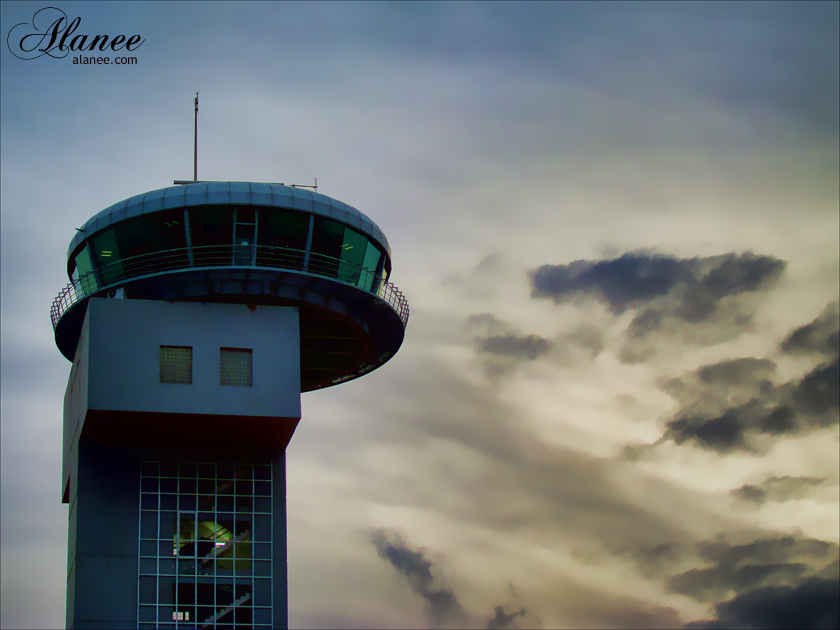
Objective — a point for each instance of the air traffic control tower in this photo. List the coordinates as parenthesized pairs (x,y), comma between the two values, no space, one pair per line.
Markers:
(196,316)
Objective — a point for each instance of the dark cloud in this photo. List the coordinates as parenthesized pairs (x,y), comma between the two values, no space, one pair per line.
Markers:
(820,336)
(443,607)
(709,584)
(725,405)
(723,434)
(637,278)
(778,489)
(831,571)
(503,620)
(720,403)
(769,561)
(739,577)
(814,603)
(499,339)
(523,348)
(737,371)
(621,282)
(700,301)
(501,347)
(818,394)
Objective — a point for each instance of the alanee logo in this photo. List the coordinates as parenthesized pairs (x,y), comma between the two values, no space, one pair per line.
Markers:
(46,41)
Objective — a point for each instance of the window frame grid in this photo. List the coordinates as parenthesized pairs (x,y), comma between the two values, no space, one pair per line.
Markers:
(256,471)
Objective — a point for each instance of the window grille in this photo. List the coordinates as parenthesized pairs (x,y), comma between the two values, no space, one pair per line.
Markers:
(176,365)
(237,367)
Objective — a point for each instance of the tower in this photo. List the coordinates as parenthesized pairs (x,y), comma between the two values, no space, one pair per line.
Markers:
(195,317)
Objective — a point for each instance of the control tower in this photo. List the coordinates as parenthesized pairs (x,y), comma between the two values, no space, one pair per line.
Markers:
(195,317)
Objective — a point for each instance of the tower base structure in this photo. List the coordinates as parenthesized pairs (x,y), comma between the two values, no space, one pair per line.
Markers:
(177,417)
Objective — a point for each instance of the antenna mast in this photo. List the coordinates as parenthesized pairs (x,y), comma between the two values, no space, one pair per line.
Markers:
(195,153)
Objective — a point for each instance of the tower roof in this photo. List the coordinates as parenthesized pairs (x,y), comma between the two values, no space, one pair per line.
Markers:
(229,193)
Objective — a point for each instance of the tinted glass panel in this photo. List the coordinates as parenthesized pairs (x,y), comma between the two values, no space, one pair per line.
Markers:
(245,214)
(210,228)
(371,262)
(84,268)
(211,225)
(107,255)
(327,239)
(149,233)
(352,255)
(282,238)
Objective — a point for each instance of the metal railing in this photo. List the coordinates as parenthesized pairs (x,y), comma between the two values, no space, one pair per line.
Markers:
(229,256)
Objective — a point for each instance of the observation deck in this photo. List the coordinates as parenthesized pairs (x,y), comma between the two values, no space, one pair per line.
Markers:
(247,243)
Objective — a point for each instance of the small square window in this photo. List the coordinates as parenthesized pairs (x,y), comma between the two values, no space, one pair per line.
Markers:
(176,365)
(237,367)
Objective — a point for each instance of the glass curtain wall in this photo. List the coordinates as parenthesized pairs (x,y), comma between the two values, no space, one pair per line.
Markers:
(267,237)
(205,545)
(341,252)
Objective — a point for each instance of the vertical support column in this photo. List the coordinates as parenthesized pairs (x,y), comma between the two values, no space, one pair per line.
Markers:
(102,550)
(256,234)
(308,242)
(189,238)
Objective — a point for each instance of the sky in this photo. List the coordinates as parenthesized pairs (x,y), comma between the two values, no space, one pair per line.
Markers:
(618,228)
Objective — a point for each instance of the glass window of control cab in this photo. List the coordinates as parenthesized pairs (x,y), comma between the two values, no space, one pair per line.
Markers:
(222,235)
(211,234)
(341,252)
(282,236)
(143,244)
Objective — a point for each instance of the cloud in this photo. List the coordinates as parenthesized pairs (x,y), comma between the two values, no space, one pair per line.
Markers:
(472,459)
(724,406)
(503,620)
(483,280)
(739,577)
(488,323)
(442,605)
(818,394)
(498,338)
(520,347)
(700,301)
(583,343)
(651,560)
(820,336)
(501,348)
(778,489)
(768,561)
(811,604)
(621,282)
(636,278)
